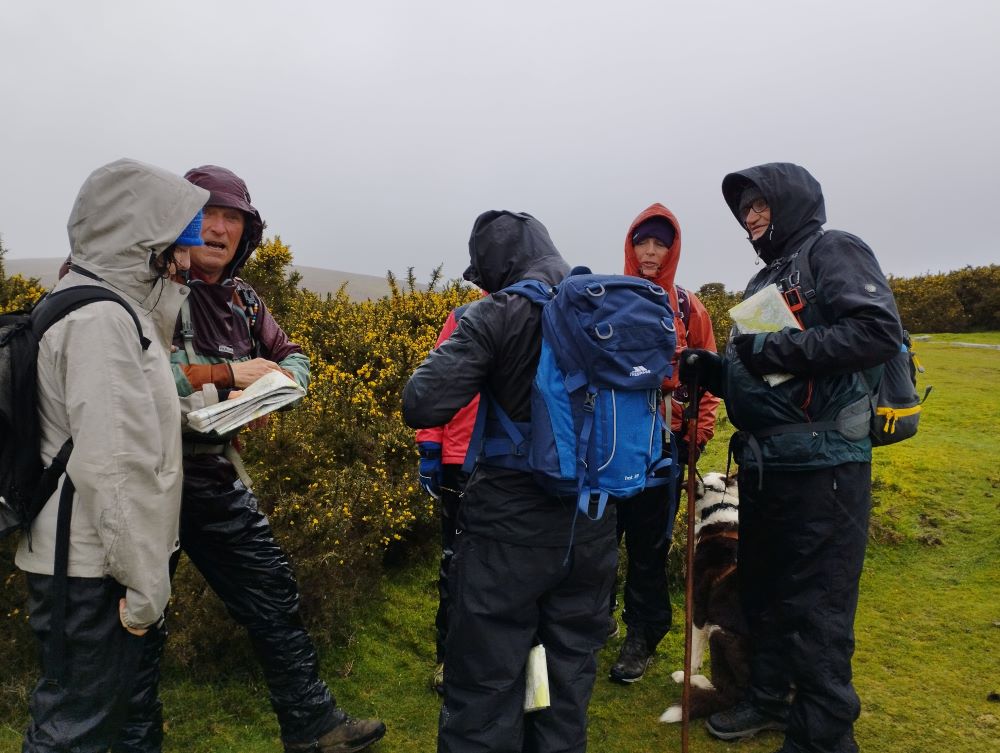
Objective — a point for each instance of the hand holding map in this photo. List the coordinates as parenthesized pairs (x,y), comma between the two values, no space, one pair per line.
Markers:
(765,311)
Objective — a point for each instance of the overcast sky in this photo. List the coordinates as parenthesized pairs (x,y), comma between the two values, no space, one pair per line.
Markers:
(372,133)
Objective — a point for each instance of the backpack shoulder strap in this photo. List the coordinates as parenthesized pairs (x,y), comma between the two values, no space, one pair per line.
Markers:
(802,267)
(684,305)
(535,291)
(55,306)
(187,329)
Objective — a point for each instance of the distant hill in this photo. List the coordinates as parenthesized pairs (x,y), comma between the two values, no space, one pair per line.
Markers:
(321,281)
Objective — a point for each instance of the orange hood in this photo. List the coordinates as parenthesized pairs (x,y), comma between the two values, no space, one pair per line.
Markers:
(665,279)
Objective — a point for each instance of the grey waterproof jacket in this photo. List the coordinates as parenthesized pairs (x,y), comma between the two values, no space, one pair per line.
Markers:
(118,402)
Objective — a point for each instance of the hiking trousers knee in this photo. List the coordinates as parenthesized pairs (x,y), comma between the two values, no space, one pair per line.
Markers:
(503,597)
(81,711)
(801,551)
(231,543)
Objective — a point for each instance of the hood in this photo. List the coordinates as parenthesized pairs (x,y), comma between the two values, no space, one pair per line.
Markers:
(126,213)
(506,247)
(665,279)
(229,190)
(796,201)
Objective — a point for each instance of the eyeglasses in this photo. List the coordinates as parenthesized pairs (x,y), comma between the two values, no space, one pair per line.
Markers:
(757,205)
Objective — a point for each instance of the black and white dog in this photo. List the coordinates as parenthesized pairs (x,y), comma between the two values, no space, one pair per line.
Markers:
(718,617)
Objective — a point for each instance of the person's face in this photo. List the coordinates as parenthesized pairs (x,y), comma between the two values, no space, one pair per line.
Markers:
(650,254)
(757,218)
(181,261)
(221,230)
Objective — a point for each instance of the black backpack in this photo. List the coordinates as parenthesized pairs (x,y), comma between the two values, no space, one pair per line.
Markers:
(25,485)
(892,386)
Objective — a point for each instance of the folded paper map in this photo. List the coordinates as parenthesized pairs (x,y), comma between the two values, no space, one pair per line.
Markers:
(764,311)
(267,394)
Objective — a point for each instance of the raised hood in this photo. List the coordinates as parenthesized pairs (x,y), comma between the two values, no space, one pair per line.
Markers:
(126,213)
(665,279)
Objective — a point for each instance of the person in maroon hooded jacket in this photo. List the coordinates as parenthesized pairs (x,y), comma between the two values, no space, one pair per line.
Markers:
(225,340)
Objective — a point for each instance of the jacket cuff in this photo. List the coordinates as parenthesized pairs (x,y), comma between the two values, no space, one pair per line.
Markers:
(200,374)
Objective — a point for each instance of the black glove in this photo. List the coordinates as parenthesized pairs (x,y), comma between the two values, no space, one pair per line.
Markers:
(743,345)
(702,366)
(683,452)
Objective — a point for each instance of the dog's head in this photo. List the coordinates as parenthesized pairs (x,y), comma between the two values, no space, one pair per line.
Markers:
(716,500)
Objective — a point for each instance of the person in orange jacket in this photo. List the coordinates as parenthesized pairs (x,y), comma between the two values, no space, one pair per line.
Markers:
(442,453)
(646,521)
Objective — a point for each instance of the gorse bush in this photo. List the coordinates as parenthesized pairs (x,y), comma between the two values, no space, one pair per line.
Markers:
(718,302)
(17,293)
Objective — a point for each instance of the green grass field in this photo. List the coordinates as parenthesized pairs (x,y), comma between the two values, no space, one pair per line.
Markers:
(928,626)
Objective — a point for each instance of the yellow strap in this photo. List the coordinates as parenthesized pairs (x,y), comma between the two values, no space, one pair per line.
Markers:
(892,414)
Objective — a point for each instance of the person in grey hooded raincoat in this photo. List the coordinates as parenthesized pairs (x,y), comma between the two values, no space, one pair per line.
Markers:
(116,401)
(512,580)
(805,457)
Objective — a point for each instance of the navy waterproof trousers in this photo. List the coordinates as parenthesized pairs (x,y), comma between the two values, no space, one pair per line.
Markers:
(801,550)
(646,522)
(82,709)
(453,481)
(504,596)
(231,543)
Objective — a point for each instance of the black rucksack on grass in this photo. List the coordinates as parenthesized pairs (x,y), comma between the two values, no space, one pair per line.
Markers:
(25,485)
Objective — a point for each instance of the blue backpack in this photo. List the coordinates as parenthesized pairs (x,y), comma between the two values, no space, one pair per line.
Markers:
(596,429)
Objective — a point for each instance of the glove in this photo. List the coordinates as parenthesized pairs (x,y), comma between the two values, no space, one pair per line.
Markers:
(682,450)
(743,345)
(430,468)
(702,366)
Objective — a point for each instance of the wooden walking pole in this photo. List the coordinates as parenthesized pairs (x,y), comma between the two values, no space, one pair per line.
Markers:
(689,572)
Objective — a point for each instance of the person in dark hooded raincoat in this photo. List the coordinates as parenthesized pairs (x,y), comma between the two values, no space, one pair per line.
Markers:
(225,339)
(804,456)
(512,578)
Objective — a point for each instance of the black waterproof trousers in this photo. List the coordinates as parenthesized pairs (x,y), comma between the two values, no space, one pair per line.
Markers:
(503,596)
(82,710)
(646,521)
(231,543)
(452,486)
(801,550)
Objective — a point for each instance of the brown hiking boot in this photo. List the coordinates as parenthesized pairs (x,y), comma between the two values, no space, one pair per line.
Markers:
(350,736)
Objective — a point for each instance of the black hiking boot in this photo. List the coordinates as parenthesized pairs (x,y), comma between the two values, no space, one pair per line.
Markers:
(743,720)
(633,659)
(350,736)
